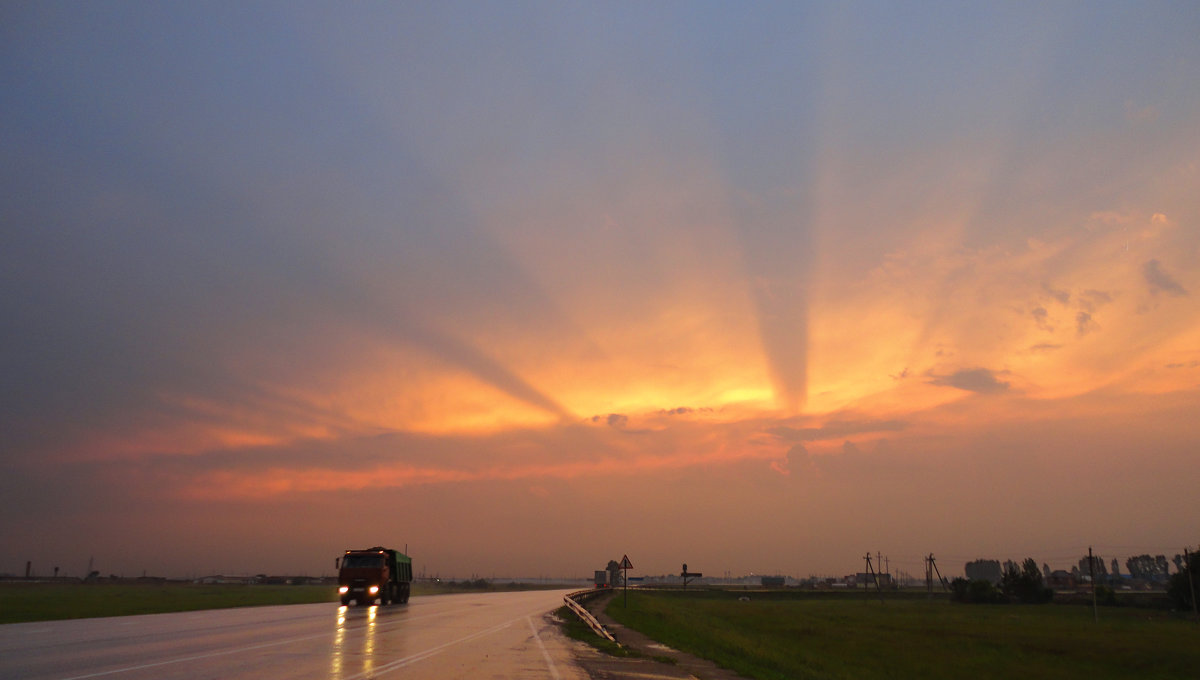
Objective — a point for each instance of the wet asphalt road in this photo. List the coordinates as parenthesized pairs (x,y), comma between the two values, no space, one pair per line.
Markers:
(487,635)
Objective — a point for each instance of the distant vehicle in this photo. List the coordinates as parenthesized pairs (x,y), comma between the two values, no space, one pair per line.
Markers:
(378,573)
(601,579)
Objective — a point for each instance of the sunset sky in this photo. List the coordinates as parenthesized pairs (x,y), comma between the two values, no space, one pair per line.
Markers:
(527,286)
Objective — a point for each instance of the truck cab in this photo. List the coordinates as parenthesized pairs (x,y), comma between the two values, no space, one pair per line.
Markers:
(378,573)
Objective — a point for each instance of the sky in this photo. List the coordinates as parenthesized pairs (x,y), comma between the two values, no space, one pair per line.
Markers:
(529,286)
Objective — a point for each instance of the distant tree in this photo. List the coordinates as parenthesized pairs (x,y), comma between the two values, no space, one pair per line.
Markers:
(1160,562)
(1136,566)
(1096,568)
(975,591)
(1025,584)
(1178,588)
(1116,569)
(1106,597)
(1146,568)
(958,589)
(1019,583)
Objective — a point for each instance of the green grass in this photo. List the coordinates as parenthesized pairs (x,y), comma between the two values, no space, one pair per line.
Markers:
(788,636)
(578,630)
(46,601)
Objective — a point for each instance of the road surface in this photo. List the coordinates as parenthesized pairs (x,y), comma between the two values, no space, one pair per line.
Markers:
(475,635)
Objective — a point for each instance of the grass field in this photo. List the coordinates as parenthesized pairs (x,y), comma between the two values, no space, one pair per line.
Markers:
(789,636)
(50,601)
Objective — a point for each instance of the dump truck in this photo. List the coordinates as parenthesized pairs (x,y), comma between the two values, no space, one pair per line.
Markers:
(378,573)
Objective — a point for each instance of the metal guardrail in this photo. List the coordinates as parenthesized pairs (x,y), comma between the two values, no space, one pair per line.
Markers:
(572,602)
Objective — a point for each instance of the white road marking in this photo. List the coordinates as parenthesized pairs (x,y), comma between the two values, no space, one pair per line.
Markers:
(545,654)
(434,651)
(197,657)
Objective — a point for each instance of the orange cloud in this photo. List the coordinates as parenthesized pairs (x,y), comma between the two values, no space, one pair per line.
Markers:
(258,484)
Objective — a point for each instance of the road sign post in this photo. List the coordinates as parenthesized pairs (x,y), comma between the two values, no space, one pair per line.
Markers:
(626,565)
(686,575)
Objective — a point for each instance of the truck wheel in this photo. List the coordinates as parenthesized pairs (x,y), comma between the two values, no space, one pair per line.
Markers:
(345,602)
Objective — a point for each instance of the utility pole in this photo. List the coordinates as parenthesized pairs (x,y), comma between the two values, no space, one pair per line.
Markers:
(1187,569)
(874,578)
(928,579)
(933,563)
(1092,573)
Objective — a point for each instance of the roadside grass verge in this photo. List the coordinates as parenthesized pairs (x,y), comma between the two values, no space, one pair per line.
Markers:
(578,630)
(51,601)
(789,636)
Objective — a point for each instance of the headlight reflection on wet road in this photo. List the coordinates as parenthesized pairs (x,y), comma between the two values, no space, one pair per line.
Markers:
(344,644)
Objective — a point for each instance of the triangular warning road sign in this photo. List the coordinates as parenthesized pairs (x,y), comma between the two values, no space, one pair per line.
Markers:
(625,563)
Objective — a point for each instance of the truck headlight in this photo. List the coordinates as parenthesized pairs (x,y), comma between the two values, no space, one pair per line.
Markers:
(373,590)
(343,590)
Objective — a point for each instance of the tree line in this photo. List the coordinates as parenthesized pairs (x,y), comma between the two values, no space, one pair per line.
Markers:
(1026,583)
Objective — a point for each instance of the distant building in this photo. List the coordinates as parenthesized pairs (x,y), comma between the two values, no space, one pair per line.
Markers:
(869,579)
(774,581)
(983,570)
(225,580)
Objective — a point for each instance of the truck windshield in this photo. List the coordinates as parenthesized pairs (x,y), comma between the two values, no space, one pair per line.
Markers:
(362,561)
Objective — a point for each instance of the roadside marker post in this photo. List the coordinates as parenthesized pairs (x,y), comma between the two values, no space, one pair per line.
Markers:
(1187,569)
